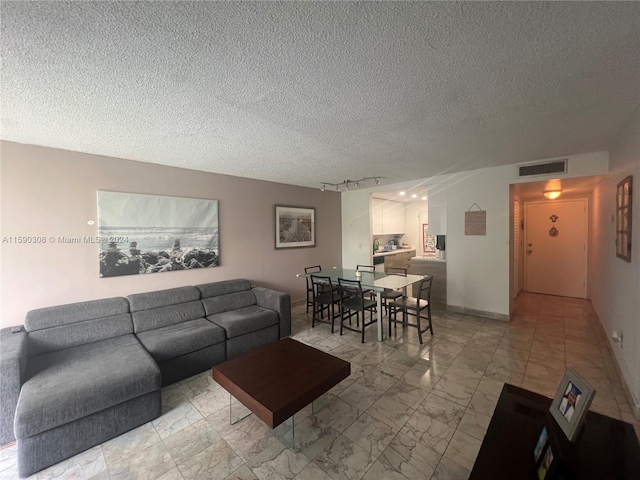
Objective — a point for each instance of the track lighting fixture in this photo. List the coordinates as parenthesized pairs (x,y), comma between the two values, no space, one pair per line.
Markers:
(348,183)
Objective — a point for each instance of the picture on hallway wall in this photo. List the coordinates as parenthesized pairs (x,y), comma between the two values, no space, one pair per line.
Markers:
(295,227)
(139,234)
(571,403)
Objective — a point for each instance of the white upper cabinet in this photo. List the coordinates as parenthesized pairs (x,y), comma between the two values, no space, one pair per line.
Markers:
(387,217)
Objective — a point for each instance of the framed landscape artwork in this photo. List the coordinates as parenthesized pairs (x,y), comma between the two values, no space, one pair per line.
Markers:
(295,227)
(139,234)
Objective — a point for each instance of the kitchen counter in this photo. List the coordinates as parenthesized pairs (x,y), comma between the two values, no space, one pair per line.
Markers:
(429,258)
(393,252)
(437,267)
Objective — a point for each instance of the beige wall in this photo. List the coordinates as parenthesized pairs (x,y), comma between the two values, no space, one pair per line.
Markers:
(614,284)
(49,192)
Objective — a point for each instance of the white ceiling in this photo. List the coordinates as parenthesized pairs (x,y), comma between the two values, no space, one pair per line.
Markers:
(304,92)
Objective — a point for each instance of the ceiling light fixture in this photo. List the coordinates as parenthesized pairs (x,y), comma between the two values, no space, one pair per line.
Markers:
(414,196)
(552,194)
(402,193)
(424,198)
(348,183)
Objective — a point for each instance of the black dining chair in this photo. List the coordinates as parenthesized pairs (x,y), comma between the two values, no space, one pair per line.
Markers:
(313,269)
(389,295)
(325,297)
(354,302)
(416,307)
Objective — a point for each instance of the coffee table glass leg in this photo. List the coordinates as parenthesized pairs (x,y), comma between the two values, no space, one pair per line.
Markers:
(237,411)
(319,402)
(286,433)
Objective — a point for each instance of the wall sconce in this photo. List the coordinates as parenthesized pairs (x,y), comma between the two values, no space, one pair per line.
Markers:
(552,194)
(348,183)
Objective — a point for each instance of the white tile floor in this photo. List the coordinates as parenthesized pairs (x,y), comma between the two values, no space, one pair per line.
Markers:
(407,410)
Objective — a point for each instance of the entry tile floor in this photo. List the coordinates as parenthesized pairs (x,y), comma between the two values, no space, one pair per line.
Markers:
(407,410)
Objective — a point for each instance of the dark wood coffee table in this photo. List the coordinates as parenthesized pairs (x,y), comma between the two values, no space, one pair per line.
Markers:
(280,379)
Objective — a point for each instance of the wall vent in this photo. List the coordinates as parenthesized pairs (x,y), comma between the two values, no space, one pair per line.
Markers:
(546,168)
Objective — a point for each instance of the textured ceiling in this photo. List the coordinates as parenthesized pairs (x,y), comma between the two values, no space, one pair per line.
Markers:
(304,92)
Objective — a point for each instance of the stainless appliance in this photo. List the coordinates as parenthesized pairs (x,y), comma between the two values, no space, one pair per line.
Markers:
(378,263)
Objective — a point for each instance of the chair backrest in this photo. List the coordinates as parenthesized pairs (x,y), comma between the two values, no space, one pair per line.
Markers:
(351,289)
(424,288)
(396,271)
(322,284)
(313,269)
(366,268)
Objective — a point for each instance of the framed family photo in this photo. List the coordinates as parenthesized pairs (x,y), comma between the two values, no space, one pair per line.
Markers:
(295,227)
(571,403)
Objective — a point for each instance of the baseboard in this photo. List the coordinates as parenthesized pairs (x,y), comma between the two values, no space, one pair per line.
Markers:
(635,407)
(479,313)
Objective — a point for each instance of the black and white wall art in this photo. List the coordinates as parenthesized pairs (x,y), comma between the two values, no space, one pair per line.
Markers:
(295,227)
(151,234)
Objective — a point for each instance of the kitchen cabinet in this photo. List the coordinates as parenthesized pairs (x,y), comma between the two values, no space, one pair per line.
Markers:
(387,217)
(401,259)
(437,268)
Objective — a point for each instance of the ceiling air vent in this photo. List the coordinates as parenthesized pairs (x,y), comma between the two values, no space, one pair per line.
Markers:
(546,168)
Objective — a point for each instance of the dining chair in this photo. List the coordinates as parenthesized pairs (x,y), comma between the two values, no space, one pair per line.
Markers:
(313,269)
(354,302)
(325,297)
(415,307)
(389,295)
(366,268)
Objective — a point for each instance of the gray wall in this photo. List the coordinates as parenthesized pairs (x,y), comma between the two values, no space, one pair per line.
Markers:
(49,192)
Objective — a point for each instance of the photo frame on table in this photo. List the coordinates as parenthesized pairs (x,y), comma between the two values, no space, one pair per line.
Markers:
(571,403)
(547,463)
(295,227)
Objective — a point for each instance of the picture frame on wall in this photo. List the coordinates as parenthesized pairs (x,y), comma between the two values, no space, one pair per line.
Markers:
(428,241)
(624,201)
(571,403)
(295,227)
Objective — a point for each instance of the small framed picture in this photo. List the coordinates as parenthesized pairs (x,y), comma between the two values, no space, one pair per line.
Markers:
(571,403)
(541,445)
(547,464)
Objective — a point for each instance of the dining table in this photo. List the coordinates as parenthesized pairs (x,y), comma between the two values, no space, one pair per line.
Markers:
(377,282)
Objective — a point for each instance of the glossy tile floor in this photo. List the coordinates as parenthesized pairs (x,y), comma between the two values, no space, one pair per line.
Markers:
(407,410)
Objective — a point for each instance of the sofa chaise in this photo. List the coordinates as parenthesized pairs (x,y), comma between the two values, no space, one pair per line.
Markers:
(77,375)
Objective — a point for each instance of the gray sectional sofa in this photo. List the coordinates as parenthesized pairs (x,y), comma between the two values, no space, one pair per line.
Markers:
(77,375)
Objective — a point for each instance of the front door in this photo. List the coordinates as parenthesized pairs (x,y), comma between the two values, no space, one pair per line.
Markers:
(556,247)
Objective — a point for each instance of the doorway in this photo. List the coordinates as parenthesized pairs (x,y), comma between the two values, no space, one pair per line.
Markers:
(556,247)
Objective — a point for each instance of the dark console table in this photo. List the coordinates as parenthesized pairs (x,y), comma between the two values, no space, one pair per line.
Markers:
(605,449)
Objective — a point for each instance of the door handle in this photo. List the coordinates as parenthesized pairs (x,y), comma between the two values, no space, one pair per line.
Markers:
(529,252)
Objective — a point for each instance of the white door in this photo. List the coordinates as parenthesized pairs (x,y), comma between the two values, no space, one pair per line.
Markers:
(556,247)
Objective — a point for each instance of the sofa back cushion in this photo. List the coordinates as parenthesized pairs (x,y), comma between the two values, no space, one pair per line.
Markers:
(231,301)
(162,308)
(64,326)
(225,287)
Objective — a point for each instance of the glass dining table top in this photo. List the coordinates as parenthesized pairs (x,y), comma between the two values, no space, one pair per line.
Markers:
(377,281)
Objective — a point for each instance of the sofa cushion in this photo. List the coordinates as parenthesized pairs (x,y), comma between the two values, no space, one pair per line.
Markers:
(69,384)
(162,298)
(223,288)
(174,340)
(155,318)
(245,320)
(231,301)
(64,326)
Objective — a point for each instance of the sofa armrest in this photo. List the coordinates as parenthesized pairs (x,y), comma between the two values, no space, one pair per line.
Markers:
(13,363)
(278,301)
